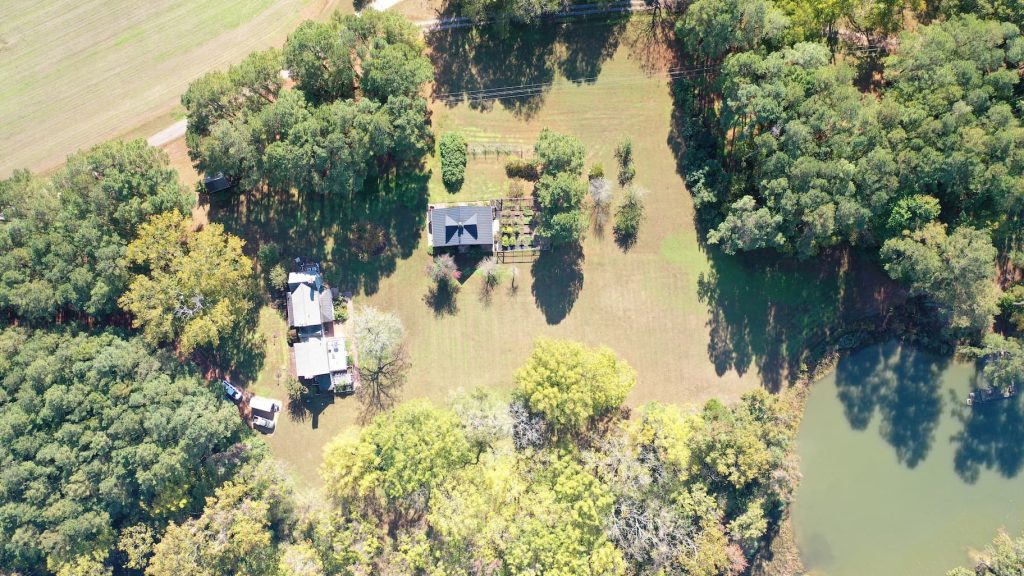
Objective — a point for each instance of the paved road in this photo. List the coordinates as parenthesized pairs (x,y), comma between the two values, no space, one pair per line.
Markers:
(382,5)
(177,130)
(171,133)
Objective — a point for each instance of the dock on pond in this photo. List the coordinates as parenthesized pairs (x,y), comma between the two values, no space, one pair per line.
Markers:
(991,394)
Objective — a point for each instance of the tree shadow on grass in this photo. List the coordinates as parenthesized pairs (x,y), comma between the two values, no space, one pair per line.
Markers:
(358,239)
(516,66)
(992,438)
(901,384)
(557,281)
(470,65)
(587,45)
(315,405)
(309,407)
(442,298)
(625,242)
(298,411)
(765,312)
(241,354)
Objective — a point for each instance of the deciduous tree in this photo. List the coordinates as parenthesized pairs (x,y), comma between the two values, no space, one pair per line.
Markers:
(192,287)
(956,271)
(383,360)
(62,246)
(571,384)
(103,442)
(560,153)
(396,462)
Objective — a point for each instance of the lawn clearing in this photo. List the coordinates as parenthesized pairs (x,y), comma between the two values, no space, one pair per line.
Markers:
(695,324)
(75,73)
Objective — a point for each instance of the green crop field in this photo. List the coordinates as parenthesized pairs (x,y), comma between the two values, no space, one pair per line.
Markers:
(75,73)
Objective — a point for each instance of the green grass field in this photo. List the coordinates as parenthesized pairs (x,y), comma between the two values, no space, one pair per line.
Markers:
(694,323)
(75,73)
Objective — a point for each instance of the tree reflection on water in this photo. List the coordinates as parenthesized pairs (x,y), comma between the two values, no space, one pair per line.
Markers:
(991,436)
(902,385)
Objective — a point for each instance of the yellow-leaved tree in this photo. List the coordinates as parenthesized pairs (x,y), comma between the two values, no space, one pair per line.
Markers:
(191,286)
(570,384)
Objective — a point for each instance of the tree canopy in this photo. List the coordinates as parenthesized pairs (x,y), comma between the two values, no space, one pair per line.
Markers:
(64,238)
(955,270)
(426,489)
(400,457)
(712,29)
(560,190)
(560,153)
(237,533)
(192,287)
(356,110)
(98,436)
(812,162)
(570,384)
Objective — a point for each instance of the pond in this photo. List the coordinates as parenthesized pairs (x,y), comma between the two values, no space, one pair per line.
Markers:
(900,477)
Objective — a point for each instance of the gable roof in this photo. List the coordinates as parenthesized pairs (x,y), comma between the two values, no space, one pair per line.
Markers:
(303,305)
(462,225)
(309,304)
(311,358)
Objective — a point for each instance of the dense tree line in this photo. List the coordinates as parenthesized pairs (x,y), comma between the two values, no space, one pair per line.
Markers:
(106,439)
(355,110)
(927,170)
(102,441)
(553,480)
(502,13)
(64,238)
(110,233)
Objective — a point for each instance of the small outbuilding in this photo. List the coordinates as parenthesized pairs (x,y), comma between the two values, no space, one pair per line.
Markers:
(217,183)
(266,405)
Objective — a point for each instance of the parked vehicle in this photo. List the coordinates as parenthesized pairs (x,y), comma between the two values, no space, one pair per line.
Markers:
(268,405)
(230,391)
(262,422)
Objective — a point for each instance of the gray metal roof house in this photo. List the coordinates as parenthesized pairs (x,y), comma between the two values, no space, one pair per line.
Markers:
(309,303)
(321,360)
(462,225)
(217,183)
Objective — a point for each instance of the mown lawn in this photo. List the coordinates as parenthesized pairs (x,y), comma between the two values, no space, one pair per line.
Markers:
(695,324)
(75,73)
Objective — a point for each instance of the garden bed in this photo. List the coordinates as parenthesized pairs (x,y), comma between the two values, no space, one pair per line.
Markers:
(518,217)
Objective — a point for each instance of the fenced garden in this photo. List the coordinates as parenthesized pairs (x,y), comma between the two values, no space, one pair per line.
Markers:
(519,219)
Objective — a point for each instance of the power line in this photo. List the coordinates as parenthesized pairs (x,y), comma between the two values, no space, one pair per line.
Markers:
(525,90)
(535,89)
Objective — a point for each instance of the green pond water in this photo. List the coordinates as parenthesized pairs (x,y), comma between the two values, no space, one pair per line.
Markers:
(900,477)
